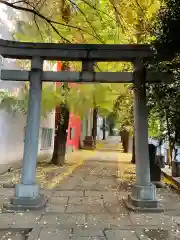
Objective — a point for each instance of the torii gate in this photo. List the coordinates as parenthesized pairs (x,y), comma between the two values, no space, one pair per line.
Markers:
(27,195)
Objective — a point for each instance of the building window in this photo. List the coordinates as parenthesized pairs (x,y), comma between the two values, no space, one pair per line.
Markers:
(46,138)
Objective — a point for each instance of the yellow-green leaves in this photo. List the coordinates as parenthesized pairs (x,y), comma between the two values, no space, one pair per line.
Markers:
(137,17)
(82,97)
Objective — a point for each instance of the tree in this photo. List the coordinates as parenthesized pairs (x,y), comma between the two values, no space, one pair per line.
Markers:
(164,99)
(164,103)
(123,114)
(137,18)
(104,128)
(18,101)
(166,29)
(60,138)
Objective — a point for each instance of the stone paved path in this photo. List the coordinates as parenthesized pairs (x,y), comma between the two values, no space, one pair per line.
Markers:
(47,175)
(88,205)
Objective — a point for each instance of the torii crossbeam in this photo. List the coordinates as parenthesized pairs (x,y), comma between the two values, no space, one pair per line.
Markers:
(27,192)
(86,77)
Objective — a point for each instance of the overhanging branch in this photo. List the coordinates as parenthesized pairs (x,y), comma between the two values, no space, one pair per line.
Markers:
(34,11)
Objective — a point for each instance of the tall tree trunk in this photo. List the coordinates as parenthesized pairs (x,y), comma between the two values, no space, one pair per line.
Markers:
(104,128)
(133,152)
(94,128)
(61,133)
(111,126)
(169,139)
(60,139)
(125,140)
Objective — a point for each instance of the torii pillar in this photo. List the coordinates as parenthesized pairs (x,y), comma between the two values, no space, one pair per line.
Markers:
(27,194)
(143,196)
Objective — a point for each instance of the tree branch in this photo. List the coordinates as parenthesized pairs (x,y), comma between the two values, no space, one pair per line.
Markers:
(35,13)
(97,36)
(50,22)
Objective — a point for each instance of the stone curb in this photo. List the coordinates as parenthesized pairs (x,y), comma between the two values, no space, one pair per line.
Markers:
(173,179)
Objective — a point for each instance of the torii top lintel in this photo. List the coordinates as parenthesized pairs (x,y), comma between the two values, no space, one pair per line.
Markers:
(76,52)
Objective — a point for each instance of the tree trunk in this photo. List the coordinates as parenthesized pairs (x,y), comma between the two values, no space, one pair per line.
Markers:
(169,139)
(125,140)
(61,133)
(104,128)
(111,126)
(94,128)
(60,138)
(133,152)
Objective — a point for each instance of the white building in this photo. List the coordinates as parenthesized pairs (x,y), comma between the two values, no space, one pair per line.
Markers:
(12,125)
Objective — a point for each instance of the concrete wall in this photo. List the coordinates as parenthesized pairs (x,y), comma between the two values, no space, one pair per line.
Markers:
(12,133)
(12,125)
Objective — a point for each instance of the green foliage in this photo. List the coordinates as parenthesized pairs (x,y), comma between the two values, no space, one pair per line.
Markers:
(79,98)
(89,22)
(137,19)
(7,100)
(82,97)
(167,28)
(123,109)
(164,100)
(19,103)
(154,129)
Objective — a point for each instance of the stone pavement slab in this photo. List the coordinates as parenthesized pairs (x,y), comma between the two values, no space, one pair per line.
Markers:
(5,221)
(14,234)
(46,192)
(57,204)
(105,184)
(58,200)
(84,209)
(85,200)
(107,220)
(115,208)
(62,220)
(81,233)
(101,194)
(77,183)
(85,205)
(156,233)
(54,234)
(120,234)
(20,220)
(68,193)
(25,219)
(155,219)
